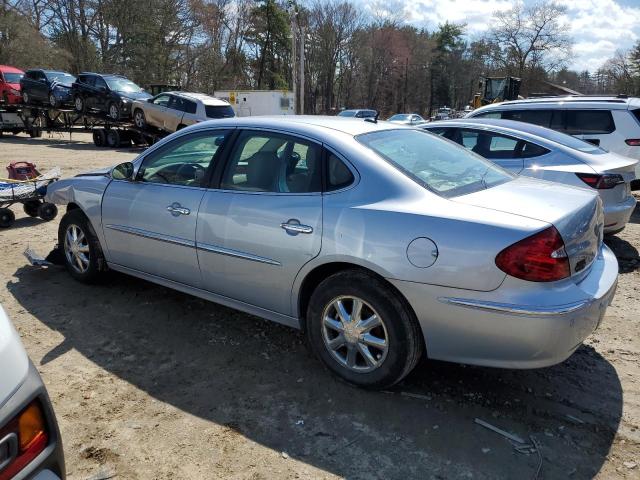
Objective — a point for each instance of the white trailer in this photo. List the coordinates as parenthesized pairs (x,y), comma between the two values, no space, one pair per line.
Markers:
(247,103)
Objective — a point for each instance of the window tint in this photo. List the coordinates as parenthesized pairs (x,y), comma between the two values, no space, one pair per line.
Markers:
(435,163)
(495,146)
(636,113)
(99,82)
(589,122)
(264,162)
(183,161)
(537,117)
(162,100)
(338,174)
(219,111)
(488,115)
(189,106)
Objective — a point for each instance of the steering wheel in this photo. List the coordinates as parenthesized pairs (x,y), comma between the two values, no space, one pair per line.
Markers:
(190,171)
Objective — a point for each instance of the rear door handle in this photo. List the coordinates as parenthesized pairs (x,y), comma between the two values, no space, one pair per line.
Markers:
(294,227)
(176,209)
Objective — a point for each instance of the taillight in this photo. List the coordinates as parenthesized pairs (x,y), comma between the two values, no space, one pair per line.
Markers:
(633,142)
(601,182)
(538,258)
(22,440)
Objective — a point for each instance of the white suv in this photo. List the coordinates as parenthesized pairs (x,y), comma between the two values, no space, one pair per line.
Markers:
(612,123)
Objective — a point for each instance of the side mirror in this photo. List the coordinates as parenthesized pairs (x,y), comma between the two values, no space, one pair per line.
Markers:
(124,171)
(150,100)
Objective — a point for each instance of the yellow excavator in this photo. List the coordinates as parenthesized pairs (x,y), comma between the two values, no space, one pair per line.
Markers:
(496,89)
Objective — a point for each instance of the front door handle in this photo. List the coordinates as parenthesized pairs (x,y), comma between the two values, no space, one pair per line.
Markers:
(294,227)
(176,209)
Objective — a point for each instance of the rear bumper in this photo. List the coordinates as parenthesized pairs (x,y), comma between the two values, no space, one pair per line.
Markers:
(49,464)
(617,215)
(519,325)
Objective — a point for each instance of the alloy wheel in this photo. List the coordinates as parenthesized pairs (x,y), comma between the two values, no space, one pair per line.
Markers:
(76,248)
(139,119)
(114,112)
(354,334)
(79,104)
(52,100)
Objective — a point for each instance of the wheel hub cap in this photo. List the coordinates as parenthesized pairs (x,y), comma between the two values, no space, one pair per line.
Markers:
(354,334)
(76,248)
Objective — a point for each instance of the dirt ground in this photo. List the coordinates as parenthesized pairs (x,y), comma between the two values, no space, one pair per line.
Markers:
(149,383)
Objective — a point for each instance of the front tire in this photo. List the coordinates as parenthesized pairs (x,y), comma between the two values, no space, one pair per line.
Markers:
(363,330)
(25,98)
(83,255)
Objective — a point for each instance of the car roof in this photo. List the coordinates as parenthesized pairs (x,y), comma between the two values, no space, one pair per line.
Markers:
(10,69)
(204,98)
(496,123)
(348,125)
(620,102)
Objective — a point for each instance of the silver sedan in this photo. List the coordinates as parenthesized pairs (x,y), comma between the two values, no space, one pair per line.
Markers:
(381,242)
(534,151)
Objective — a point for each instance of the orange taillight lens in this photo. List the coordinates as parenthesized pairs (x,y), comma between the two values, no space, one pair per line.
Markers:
(31,425)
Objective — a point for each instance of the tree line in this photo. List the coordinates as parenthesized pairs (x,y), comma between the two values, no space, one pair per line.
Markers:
(354,57)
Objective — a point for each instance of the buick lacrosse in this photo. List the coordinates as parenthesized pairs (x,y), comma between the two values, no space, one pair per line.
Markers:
(381,242)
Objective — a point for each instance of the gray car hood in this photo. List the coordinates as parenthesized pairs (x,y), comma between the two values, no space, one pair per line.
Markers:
(13,360)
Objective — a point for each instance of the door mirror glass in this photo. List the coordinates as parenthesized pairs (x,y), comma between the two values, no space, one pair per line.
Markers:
(124,171)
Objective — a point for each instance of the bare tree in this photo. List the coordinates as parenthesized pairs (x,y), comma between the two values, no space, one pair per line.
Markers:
(531,37)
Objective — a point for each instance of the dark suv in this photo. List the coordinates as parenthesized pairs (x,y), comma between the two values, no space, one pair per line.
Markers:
(51,87)
(106,93)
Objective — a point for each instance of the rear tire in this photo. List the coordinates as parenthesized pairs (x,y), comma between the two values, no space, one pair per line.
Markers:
(25,98)
(368,353)
(113,111)
(53,101)
(7,217)
(30,207)
(81,248)
(78,104)
(139,119)
(47,211)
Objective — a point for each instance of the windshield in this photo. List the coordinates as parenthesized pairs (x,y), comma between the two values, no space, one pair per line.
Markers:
(12,77)
(347,113)
(219,111)
(435,163)
(400,116)
(122,85)
(60,77)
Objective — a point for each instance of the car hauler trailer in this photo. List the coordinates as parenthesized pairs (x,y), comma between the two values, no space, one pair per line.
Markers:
(248,103)
(106,132)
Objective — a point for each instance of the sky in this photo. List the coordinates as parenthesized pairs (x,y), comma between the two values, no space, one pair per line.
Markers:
(598,27)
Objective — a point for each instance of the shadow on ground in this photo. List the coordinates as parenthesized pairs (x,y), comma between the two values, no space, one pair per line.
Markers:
(257,378)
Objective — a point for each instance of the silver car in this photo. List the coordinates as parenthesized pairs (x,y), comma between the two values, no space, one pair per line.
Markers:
(534,151)
(381,242)
(172,111)
(407,119)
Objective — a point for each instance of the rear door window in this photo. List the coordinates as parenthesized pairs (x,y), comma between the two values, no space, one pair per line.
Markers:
(537,117)
(493,114)
(219,111)
(586,122)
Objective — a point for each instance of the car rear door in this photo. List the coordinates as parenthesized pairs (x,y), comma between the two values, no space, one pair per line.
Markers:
(150,223)
(504,150)
(263,220)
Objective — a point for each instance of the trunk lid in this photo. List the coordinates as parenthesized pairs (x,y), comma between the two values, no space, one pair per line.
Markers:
(575,212)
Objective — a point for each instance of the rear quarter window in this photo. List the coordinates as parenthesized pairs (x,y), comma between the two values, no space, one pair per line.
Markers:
(219,111)
(585,122)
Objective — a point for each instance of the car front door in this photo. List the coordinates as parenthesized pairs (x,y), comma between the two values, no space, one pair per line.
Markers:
(173,114)
(156,110)
(150,223)
(263,222)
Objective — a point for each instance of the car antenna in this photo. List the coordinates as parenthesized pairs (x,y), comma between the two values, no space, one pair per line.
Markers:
(374,119)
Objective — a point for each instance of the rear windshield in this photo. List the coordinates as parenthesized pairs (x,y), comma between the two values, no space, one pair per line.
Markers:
(12,77)
(573,142)
(219,111)
(435,163)
(347,113)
